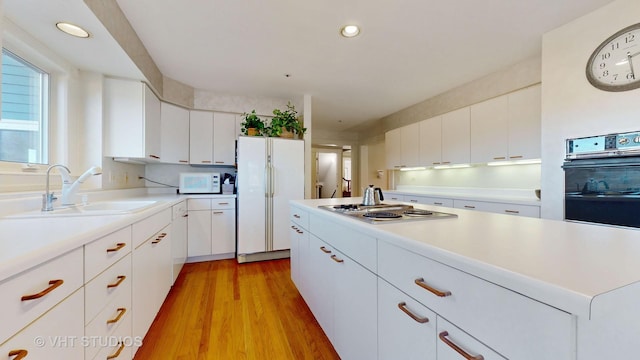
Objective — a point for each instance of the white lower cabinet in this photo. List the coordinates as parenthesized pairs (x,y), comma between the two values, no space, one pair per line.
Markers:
(178,237)
(57,335)
(455,344)
(211,227)
(406,328)
(152,278)
(498,208)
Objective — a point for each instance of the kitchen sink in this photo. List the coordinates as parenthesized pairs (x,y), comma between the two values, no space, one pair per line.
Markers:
(116,207)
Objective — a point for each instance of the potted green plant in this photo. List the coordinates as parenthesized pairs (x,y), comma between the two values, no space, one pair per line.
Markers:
(252,124)
(286,123)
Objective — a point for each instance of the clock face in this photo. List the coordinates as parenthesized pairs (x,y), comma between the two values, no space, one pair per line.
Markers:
(615,64)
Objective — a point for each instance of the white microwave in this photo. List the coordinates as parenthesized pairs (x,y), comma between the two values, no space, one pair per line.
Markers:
(200,183)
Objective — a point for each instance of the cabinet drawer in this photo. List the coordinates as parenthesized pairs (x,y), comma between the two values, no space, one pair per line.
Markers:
(360,247)
(299,217)
(105,251)
(60,330)
(494,315)
(116,314)
(451,340)
(499,208)
(49,283)
(107,286)
(406,329)
(199,204)
(146,228)
(428,200)
(223,204)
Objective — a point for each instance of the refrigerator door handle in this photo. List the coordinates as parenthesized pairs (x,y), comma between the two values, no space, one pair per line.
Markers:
(266,181)
(272,180)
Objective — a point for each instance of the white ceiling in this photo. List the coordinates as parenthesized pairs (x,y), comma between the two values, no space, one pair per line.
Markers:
(408,51)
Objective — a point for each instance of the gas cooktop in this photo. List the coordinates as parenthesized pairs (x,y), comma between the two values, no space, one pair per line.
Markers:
(386,213)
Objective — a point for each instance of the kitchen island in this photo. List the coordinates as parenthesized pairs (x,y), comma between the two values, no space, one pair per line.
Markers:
(490,284)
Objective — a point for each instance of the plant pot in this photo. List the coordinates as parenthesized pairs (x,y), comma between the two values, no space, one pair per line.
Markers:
(286,134)
(252,131)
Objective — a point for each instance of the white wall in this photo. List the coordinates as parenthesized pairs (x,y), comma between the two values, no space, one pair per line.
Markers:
(571,107)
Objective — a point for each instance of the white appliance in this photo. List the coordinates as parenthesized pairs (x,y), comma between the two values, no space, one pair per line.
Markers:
(270,173)
(200,183)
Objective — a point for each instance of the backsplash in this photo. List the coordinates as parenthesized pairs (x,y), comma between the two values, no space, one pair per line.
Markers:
(510,177)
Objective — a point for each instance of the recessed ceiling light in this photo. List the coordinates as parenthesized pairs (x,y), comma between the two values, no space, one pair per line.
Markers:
(73,30)
(350,31)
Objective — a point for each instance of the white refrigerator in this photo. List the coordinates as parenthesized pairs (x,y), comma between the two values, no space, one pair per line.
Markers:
(270,173)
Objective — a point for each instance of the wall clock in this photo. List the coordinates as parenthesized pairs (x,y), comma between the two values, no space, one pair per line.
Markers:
(615,64)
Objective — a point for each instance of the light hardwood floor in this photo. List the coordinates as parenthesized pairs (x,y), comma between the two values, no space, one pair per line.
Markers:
(225,310)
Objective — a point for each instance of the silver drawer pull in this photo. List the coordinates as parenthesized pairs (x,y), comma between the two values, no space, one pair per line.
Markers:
(443,336)
(420,282)
(403,306)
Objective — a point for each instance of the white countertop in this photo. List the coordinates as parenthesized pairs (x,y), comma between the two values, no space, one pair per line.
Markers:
(562,264)
(27,242)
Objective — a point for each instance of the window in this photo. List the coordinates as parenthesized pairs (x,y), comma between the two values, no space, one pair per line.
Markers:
(25,116)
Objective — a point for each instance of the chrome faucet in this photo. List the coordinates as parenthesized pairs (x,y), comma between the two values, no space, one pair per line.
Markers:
(48,197)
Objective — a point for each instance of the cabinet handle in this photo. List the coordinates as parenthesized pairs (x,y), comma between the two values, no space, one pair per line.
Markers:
(516,157)
(294,228)
(219,162)
(436,163)
(512,211)
(206,161)
(446,162)
(500,158)
(413,201)
(117,353)
(403,306)
(52,285)
(324,250)
(437,203)
(218,212)
(117,283)
(335,258)
(443,336)
(118,247)
(183,161)
(185,215)
(19,354)
(300,231)
(296,216)
(154,156)
(121,312)
(469,207)
(420,282)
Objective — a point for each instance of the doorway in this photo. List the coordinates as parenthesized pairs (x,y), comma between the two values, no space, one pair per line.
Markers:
(332,174)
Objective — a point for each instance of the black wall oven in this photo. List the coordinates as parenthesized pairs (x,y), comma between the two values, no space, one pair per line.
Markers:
(602,179)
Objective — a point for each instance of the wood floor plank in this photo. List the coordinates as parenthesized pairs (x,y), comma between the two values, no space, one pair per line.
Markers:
(225,310)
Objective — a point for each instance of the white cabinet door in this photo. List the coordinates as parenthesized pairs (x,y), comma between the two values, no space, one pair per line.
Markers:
(294,257)
(179,231)
(320,275)
(410,145)
(174,134)
(524,123)
(393,148)
(199,232)
(57,335)
(406,329)
(224,140)
(456,137)
(355,309)
(431,141)
(223,231)
(489,130)
(131,120)
(200,137)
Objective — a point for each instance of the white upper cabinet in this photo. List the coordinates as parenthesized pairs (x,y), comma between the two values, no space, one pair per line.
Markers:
(506,127)
(489,130)
(524,123)
(410,145)
(402,147)
(392,141)
(224,139)
(174,134)
(212,138)
(455,137)
(431,141)
(131,120)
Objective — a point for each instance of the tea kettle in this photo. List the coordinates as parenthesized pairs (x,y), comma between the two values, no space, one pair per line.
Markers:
(372,196)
